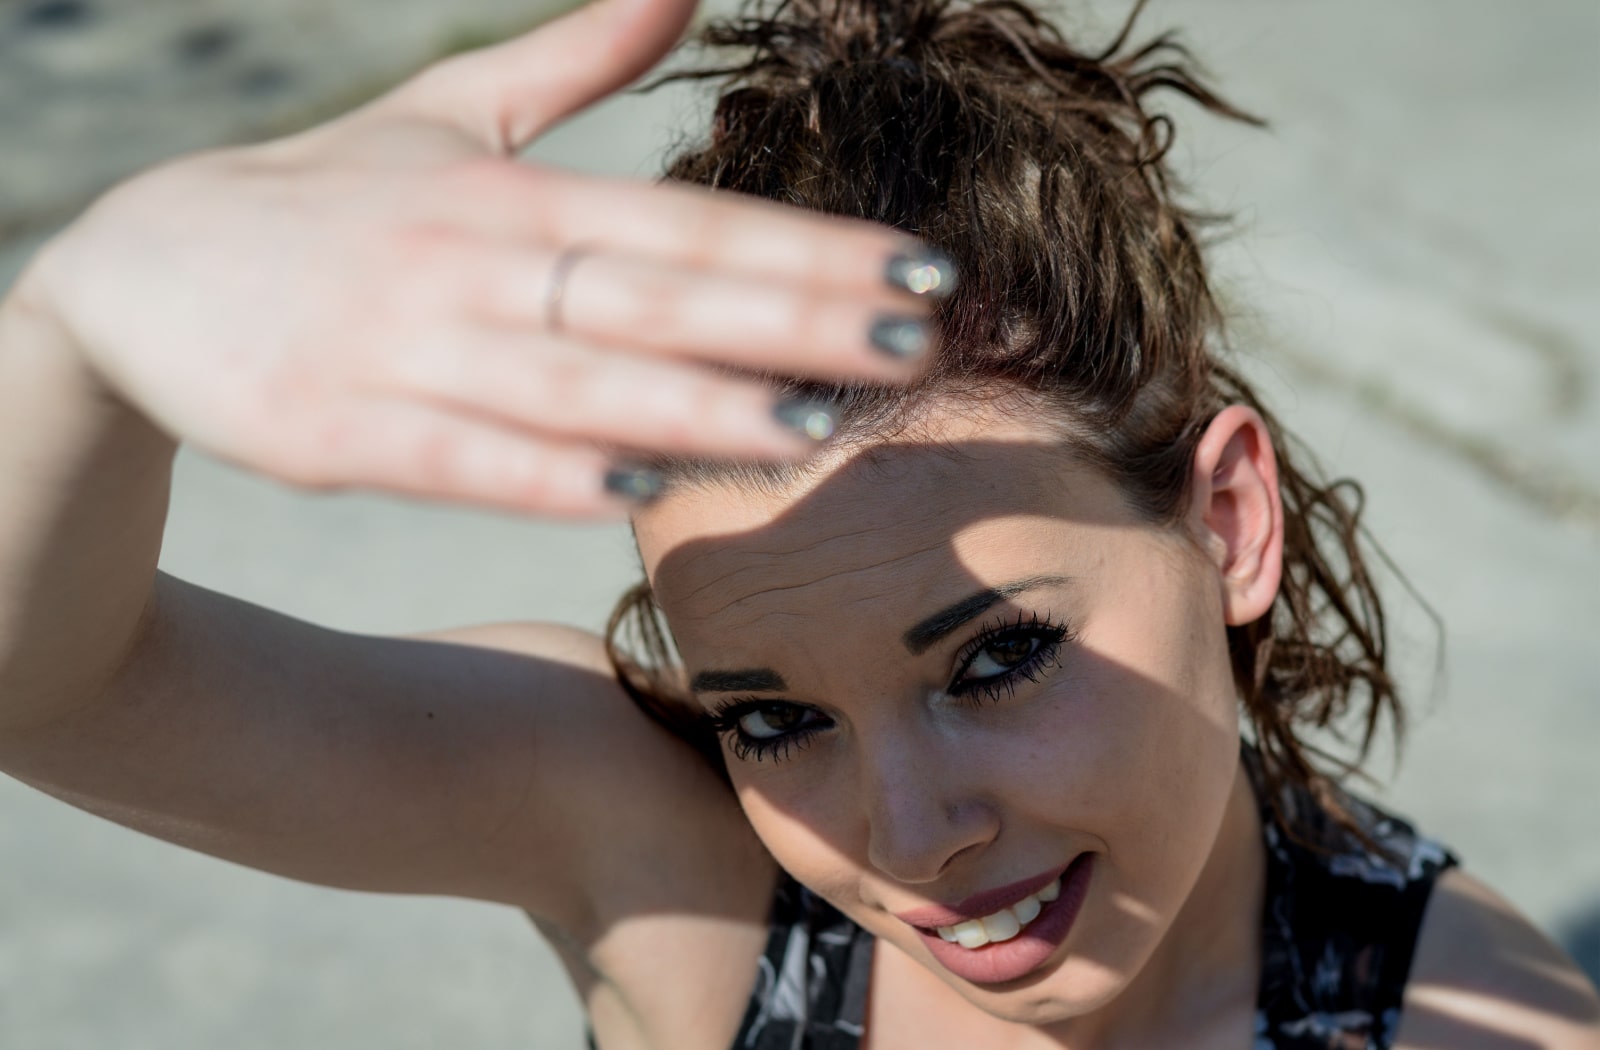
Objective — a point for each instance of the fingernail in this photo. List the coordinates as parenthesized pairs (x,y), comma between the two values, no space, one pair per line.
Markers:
(924,272)
(807,417)
(902,337)
(640,484)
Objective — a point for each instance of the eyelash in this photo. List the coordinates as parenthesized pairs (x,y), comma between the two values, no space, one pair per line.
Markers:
(724,717)
(724,721)
(1051,637)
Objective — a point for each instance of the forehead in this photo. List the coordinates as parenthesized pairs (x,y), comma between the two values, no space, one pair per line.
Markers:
(895,523)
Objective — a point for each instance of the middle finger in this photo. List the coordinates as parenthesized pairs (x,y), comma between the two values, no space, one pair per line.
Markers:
(752,324)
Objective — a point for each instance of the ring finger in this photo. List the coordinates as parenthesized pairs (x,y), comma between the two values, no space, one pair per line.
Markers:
(567,388)
(758,325)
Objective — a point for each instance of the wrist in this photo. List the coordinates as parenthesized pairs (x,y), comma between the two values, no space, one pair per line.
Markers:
(36,340)
(48,367)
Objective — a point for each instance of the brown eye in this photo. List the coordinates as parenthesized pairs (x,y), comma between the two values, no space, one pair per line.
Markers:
(769,721)
(1011,651)
(1001,655)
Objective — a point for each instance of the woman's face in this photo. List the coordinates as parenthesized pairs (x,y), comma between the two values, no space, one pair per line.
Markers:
(950,679)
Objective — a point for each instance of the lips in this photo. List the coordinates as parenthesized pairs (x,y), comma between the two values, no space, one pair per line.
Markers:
(1021,953)
(979,904)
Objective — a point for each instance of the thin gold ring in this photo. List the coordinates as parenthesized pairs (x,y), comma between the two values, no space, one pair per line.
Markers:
(556,287)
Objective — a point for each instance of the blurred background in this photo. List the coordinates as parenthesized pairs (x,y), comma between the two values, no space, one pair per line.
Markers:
(1414,278)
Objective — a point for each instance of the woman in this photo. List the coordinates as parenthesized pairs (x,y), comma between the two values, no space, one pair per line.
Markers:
(974,670)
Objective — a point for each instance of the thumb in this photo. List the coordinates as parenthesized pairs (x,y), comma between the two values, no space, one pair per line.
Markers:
(509,94)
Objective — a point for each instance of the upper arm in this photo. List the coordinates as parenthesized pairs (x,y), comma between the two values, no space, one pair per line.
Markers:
(496,763)
(1485,979)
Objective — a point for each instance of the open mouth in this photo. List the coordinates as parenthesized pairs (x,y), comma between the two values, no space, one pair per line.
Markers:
(1014,941)
(1003,924)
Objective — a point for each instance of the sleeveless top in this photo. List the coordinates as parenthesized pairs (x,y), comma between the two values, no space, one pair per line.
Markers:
(1338,928)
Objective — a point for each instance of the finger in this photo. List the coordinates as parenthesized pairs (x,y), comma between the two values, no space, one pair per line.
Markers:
(508,94)
(691,226)
(757,325)
(573,391)
(432,453)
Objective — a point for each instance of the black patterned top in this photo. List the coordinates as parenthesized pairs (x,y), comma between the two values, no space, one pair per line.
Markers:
(1339,926)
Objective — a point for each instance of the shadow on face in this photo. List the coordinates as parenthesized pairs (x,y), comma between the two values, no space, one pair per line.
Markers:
(943,669)
(947,667)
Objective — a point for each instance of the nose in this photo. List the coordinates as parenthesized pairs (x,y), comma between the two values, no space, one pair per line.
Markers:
(920,814)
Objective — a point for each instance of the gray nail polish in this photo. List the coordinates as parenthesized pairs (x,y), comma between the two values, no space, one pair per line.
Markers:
(807,417)
(640,484)
(925,272)
(903,337)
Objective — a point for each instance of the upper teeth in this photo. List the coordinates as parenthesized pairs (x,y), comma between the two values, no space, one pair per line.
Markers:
(1003,924)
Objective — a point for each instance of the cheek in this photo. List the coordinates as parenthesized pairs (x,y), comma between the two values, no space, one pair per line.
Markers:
(1109,752)
(799,825)
(1142,744)
(1162,656)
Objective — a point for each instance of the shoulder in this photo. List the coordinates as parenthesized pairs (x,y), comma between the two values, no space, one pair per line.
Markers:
(1484,978)
(1388,933)
(1346,900)
(632,792)
(670,888)
(590,723)
(592,732)
(585,712)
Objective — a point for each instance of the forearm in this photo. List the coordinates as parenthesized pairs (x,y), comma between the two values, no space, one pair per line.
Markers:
(83,496)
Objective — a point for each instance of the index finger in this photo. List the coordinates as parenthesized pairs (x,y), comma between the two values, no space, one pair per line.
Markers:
(708,230)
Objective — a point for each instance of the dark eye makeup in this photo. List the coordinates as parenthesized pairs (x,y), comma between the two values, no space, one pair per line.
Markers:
(1004,653)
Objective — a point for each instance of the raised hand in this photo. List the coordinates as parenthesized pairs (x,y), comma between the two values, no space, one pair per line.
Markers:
(392,301)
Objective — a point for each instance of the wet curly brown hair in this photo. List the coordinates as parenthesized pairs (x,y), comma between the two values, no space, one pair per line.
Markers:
(1041,169)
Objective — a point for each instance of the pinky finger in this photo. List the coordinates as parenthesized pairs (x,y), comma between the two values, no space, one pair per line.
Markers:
(433,453)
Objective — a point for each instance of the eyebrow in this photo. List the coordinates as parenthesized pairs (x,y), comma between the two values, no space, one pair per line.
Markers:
(927,632)
(917,640)
(754,680)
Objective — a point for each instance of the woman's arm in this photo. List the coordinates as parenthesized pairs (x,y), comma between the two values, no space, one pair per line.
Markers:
(367,304)
(83,500)
(477,764)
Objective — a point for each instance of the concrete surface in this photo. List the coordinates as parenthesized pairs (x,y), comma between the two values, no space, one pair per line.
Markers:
(1414,279)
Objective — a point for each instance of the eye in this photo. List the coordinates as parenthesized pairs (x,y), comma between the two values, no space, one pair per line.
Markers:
(759,729)
(1005,654)
(1001,655)
(770,721)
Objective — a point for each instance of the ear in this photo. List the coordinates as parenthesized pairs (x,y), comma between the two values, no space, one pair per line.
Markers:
(1235,511)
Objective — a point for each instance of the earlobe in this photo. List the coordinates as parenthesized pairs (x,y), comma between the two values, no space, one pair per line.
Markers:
(1237,513)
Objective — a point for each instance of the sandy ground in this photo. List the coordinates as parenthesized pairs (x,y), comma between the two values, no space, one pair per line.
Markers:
(1413,278)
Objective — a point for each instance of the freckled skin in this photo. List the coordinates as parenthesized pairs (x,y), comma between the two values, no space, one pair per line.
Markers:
(1126,745)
